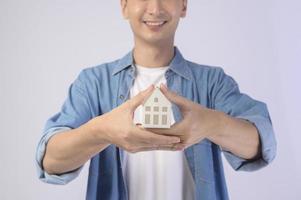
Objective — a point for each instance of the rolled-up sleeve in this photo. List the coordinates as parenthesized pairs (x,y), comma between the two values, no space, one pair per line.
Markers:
(228,99)
(74,112)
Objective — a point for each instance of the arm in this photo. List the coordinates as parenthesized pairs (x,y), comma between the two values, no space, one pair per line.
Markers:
(248,137)
(74,113)
(69,150)
(235,135)
(240,125)
(229,137)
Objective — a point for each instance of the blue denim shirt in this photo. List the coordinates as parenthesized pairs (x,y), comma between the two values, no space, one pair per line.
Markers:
(98,90)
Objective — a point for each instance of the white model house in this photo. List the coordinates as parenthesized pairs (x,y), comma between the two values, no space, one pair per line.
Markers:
(156,111)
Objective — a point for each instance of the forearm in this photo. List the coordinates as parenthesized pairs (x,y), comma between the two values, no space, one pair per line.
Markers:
(238,136)
(70,149)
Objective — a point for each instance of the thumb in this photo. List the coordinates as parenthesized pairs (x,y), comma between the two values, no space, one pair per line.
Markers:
(140,97)
(180,101)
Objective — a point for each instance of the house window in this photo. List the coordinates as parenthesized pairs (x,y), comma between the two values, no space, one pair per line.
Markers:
(147,108)
(164,119)
(156,99)
(164,109)
(147,119)
(156,119)
(156,108)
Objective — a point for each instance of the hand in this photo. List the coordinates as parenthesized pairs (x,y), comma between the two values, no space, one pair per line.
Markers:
(117,128)
(198,122)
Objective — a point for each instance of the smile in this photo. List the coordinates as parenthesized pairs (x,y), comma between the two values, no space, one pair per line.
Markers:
(155,23)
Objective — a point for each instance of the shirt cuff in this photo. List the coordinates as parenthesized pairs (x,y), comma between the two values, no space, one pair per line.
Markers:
(61,179)
(268,146)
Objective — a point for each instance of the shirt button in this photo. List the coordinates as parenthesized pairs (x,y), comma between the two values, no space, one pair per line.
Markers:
(121,97)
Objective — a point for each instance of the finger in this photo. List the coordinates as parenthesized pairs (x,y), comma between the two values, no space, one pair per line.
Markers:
(161,148)
(140,97)
(148,137)
(174,97)
(175,129)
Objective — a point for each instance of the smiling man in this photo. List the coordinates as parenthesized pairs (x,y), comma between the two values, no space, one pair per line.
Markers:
(101,121)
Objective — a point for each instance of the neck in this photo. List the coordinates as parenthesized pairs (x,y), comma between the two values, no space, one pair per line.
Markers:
(153,56)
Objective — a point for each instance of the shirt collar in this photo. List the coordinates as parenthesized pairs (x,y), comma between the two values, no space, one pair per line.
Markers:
(177,65)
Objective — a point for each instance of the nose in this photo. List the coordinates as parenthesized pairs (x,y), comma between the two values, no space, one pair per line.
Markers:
(154,7)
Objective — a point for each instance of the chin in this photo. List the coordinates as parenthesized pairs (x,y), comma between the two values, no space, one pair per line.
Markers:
(156,39)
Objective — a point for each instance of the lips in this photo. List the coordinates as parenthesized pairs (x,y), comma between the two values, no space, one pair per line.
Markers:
(154,23)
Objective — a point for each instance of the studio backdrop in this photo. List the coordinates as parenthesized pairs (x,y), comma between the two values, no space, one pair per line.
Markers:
(45,44)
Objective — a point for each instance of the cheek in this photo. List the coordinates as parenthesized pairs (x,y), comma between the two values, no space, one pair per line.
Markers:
(135,17)
(136,12)
(175,15)
(175,11)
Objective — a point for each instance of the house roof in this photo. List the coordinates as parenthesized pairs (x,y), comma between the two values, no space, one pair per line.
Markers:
(157,93)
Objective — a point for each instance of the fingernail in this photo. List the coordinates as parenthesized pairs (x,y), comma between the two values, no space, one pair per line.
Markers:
(163,86)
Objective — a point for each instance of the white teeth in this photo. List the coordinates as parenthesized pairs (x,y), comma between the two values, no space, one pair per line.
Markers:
(154,23)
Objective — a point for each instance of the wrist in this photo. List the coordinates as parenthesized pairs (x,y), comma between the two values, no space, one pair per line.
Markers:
(220,126)
(97,131)
(224,121)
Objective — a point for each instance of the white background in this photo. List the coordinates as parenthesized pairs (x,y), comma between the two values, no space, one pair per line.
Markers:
(45,44)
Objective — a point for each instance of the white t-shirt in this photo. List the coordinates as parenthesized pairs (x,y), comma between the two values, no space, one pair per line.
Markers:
(156,175)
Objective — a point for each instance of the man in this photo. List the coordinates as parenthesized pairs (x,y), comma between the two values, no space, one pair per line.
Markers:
(100,120)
